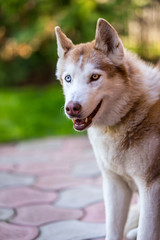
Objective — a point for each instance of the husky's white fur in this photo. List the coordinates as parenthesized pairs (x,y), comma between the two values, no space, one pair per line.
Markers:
(116,96)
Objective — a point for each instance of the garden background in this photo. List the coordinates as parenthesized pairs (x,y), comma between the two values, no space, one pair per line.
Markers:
(31,99)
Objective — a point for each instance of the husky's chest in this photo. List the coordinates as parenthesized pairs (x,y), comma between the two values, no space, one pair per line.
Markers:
(107,151)
(110,155)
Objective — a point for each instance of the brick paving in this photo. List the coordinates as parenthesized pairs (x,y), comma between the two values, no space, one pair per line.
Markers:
(50,189)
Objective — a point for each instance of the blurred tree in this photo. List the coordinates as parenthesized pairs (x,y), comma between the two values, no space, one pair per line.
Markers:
(25,40)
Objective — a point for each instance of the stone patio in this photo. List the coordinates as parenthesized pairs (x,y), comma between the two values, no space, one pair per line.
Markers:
(50,189)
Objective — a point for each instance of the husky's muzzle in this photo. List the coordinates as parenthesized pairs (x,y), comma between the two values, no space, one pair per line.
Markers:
(73,111)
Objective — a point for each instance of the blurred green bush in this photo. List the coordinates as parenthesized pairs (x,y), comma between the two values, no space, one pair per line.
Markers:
(32,113)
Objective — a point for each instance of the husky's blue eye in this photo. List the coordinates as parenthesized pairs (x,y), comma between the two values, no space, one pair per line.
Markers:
(68,78)
(94,77)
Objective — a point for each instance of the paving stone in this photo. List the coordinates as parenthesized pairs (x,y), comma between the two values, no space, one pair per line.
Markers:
(37,215)
(52,159)
(98,239)
(19,196)
(68,230)
(98,181)
(43,168)
(6,213)
(72,144)
(103,239)
(44,143)
(44,149)
(19,156)
(13,232)
(10,179)
(86,168)
(6,168)
(95,213)
(76,149)
(60,181)
(30,151)
(79,197)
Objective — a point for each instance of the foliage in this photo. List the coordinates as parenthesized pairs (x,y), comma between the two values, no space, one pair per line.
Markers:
(27,42)
(31,112)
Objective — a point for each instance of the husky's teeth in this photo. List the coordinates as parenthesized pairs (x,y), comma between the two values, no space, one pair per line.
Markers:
(73,120)
(86,120)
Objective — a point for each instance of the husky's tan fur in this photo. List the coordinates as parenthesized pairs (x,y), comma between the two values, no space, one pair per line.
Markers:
(125,133)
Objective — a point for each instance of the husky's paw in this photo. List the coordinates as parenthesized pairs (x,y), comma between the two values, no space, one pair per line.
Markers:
(132,234)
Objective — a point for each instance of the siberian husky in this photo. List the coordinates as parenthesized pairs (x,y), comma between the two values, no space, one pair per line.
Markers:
(116,97)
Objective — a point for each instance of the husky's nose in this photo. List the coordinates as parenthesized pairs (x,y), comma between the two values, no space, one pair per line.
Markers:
(73,108)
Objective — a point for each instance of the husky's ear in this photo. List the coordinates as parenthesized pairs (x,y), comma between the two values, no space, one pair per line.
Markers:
(107,41)
(64,44)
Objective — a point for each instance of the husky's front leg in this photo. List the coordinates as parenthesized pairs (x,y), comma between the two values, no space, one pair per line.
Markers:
(117,196)
(149,222)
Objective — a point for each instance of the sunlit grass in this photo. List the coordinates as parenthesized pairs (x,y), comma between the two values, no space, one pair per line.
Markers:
(31,113)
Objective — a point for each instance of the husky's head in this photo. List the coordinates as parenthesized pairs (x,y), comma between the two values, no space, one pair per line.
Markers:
(93,76)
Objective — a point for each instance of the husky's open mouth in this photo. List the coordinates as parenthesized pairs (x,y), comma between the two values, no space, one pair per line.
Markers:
(81,124)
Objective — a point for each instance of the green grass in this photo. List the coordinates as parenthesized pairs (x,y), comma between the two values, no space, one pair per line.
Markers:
(32,112)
